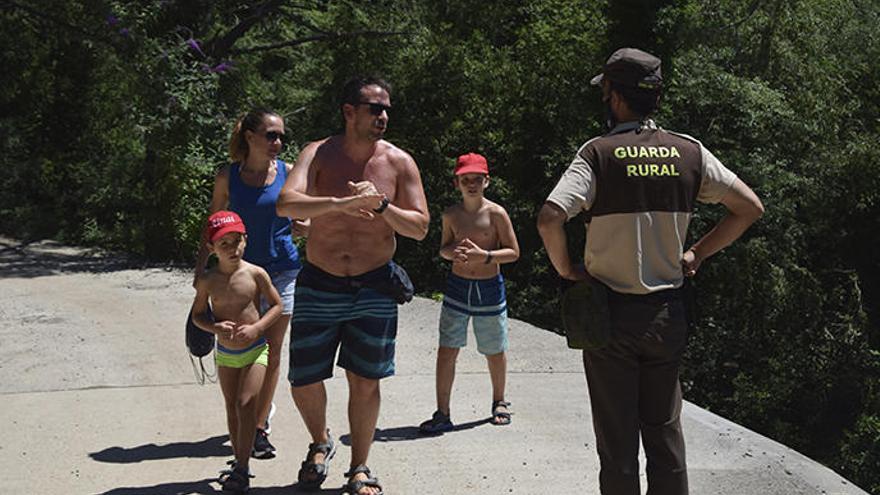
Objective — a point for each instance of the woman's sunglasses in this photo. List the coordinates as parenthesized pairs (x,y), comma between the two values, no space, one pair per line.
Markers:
(271,136)
(375,108)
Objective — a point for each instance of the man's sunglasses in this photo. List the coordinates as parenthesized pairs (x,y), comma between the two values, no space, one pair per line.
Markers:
(271,136)
(375,108)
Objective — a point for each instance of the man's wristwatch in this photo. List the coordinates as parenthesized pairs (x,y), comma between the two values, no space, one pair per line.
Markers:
(383,205)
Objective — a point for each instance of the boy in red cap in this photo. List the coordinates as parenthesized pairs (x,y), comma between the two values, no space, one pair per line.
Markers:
(242,353)
(477,238)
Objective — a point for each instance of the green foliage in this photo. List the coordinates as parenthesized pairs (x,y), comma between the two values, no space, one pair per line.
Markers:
(860,453)
(116,115)
(789,328)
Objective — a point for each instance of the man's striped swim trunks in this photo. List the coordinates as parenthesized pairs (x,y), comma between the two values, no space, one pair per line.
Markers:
(332,310)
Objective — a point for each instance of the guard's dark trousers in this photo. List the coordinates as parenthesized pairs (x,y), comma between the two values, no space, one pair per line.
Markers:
(634,389)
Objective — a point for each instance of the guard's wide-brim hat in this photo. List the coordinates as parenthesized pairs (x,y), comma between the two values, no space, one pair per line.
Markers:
(631,67)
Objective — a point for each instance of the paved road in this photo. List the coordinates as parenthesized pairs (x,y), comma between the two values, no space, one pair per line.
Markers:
(99,398)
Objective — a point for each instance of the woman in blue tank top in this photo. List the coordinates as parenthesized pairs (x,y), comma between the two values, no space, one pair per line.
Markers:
(249,186)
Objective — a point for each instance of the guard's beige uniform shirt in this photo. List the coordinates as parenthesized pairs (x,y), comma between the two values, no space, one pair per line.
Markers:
(640,184)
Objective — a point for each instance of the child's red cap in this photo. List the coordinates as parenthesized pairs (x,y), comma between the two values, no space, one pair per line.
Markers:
(222,223)
(471,163)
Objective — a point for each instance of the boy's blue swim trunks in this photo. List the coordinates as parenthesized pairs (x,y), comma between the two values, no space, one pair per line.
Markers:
(485,301)
(333,310)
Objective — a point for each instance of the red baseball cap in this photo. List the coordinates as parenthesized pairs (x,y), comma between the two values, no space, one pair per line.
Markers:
(222,223)
(471,163)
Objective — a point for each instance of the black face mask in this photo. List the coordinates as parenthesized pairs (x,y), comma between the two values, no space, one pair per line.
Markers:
(610,119)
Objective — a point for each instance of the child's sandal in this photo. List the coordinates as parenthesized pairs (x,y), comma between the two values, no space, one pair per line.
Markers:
(501,418)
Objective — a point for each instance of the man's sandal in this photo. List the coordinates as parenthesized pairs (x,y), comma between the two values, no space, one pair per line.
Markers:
(312,475)
(354,486)
(500,418)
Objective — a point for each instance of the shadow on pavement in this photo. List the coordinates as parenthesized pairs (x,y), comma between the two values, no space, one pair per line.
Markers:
(296,489)
(210,447)
(201,487)
(406,433)
(46,258)
(211,487)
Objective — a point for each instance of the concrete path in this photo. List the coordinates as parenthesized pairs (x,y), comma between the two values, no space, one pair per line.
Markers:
(99,397)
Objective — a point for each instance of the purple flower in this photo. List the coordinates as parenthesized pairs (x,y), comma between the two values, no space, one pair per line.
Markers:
(124,32)
(112,20)
(220,68)
(194,45)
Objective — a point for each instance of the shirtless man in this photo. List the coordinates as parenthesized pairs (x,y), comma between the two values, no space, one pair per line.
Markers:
(359,190)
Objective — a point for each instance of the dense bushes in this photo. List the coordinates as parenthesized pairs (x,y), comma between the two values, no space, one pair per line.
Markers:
(115,116)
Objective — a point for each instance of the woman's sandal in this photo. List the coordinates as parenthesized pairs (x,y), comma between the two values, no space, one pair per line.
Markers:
(231,463)
(235,480)
(312,475)
(500,418)
(224,473)
(354,486)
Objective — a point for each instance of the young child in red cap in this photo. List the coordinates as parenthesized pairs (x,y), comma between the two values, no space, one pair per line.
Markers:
(477,238)
(233,286)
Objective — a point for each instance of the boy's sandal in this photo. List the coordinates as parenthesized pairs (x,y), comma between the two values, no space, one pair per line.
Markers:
(312,475)
(354,486)
(438,423)
(501,418)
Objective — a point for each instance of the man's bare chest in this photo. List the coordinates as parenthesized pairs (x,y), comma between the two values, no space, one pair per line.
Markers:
(333,180)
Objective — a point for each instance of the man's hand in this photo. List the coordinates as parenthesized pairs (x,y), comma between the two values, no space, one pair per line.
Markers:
(362,205)
(690,263)
(366,188)
(362,187)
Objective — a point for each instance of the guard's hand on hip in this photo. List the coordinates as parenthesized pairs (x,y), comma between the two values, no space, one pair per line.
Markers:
(690,263)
